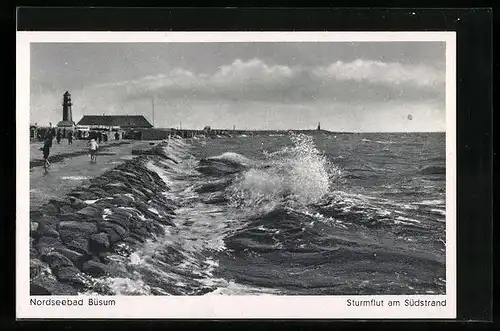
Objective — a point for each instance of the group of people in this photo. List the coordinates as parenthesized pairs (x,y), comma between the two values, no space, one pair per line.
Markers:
(93,145)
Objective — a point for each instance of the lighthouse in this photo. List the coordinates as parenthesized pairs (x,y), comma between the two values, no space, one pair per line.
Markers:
(67,118)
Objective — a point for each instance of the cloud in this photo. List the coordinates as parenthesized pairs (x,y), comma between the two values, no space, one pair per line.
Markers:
(255,80)
(257,84)
(385,73)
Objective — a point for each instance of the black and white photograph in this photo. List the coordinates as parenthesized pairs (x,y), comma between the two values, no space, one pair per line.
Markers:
(239,168)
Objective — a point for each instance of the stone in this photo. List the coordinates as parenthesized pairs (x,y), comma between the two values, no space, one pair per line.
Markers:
(121,231)
(38,289)
(139,193)
(155,228)
(122,200)
(115,185)
(94,268)
(74,256)
(83,195)
(80,245)
(50,233)
(99,192)
(58,203)
(133,241)
(37,267)
(99,242)
(70,217)
(66,209)
(45,245)
(138,237)
(70,275)
(166,221)
(76,203)
(81,227)
(113,235)
(89,212)
(52,287)
(50,209)
(141,233)
(122,221)
(56,260)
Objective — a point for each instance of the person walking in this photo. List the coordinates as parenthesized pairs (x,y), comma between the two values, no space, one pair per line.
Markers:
(58,136)
(46,152)
(93,146)
(70,137)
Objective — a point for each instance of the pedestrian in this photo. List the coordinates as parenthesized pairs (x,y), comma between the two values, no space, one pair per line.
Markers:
(58,137)
(70,137)
(117,136)
(93,146)
(46,152)
(99,137)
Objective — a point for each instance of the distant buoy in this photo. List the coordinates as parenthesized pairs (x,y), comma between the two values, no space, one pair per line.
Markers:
(410,117)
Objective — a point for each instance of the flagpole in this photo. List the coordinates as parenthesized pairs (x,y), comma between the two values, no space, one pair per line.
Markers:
(153,101)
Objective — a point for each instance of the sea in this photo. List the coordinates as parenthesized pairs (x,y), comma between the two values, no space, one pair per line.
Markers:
(296,214)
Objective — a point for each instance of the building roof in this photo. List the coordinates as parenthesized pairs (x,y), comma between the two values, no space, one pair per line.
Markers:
(135,121)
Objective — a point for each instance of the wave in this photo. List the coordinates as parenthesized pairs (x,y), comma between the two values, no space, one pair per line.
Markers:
(236,219)
(432,170)
(293,175)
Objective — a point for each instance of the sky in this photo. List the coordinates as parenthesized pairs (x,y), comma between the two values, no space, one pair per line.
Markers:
(354,87)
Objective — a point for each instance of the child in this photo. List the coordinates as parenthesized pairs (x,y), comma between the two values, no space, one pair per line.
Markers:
(93,150)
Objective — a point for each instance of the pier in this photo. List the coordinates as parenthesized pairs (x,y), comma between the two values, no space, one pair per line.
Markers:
(160,134)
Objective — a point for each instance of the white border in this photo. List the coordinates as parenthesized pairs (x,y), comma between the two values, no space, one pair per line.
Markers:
(289,307)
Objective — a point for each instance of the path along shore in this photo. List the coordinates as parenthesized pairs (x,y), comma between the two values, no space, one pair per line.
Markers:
(82,212)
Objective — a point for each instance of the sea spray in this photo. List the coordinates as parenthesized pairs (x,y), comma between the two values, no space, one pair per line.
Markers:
(299,174)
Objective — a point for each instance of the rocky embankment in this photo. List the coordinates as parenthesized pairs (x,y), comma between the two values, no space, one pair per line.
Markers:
(72,237)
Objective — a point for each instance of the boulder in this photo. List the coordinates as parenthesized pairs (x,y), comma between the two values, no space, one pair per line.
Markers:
(49,233)
(116,185)
(37,268)
(141,233)
(83,195)
(113,235)
(140,238)
(89,211)
(45,245)
(122,200)
(122,221)
(99,242)
(76,203)
(71,230)
(139,193)
(70,275)
(70,217)
(132,241)
(56,260)
(80,245)
(50,286)
(66,209)
(99,192)
(50,209)
(74,256)
(95,269)
(120,230)
(166,221)
(155,228)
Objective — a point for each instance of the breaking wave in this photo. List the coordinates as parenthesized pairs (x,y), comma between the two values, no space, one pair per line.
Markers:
(282,223)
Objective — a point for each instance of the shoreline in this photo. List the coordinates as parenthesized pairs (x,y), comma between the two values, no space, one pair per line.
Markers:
(72,236)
